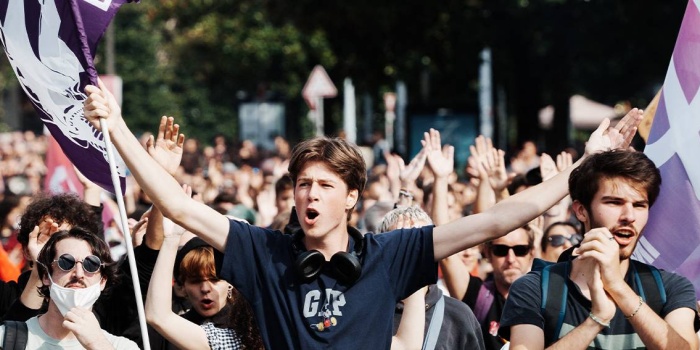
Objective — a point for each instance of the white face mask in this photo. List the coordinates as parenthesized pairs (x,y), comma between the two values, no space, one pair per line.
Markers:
(68,298)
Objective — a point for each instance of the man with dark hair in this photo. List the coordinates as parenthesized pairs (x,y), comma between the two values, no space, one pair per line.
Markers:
(605,299)
(45,214)
(511,257)
(75,268)
(310,289)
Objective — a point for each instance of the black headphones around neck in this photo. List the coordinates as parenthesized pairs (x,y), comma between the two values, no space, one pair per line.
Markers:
(346,266)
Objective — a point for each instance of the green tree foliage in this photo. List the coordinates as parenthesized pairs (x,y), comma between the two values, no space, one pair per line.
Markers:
(208,56)
(198,60)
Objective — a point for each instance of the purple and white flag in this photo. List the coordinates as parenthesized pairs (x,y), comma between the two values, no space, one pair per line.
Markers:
(671,239)
(51,45)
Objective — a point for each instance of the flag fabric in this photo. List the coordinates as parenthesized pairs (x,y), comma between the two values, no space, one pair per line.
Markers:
(60,175)
(51,45)
(671,239)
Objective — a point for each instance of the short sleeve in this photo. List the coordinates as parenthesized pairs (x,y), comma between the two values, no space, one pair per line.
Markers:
(410,259)
(523,304)
(221,338)
(680,293)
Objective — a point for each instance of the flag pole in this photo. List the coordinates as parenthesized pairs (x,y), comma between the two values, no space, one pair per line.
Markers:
(127,234)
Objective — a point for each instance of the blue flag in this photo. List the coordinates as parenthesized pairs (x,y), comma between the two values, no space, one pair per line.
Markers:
(51,45)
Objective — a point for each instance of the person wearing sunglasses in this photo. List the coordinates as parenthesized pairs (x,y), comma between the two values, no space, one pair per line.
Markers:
(511,257)
(286,277)
(557,238)
(75,268)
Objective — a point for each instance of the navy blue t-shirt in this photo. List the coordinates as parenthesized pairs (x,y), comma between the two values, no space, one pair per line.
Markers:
(325,313)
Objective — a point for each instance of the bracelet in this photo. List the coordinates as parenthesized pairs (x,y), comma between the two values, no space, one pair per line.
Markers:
(641,301)
(598,321)
(405,193)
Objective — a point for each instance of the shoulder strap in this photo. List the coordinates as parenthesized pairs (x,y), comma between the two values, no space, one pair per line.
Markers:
(554,294)
(16,335)
(484,300)
(435,324)
(649,284)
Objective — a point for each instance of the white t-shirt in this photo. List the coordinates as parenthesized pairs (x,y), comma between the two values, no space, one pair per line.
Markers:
(39,340)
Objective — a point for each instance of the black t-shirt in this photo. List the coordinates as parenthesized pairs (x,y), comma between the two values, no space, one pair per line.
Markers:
(489,326)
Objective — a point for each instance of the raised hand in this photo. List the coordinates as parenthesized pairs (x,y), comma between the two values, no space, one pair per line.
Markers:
(548,169)
(489,164)
(409,174)
(564,160)
(606,138)
(40,235)
(441,159)
(599,245)
(167,148)
(99,104)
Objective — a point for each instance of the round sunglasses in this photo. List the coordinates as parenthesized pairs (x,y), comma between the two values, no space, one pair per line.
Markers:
(501,250)
(560,240)
(67,262)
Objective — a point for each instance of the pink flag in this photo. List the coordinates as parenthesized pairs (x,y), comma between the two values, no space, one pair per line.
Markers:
(60,175)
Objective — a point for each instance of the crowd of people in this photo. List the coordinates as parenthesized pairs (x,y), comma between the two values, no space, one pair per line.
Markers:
(315,246)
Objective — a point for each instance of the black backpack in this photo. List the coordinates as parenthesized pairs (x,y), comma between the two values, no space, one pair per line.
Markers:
(16,335)
(647,281)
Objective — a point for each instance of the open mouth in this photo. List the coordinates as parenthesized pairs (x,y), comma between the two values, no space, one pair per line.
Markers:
(207,303)
(624,236)
(311,214)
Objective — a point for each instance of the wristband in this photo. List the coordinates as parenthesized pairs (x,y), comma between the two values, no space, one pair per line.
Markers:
(598,321)
(405,193)
(641,301)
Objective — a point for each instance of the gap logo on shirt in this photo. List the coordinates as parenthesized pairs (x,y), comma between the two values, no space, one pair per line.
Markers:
(327,306)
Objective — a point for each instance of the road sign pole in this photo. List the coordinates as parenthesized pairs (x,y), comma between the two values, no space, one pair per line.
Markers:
(319,116)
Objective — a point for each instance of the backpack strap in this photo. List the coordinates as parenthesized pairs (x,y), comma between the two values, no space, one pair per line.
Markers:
(435,325)
(649,285)
(554,293)
(16,335)
(484,300)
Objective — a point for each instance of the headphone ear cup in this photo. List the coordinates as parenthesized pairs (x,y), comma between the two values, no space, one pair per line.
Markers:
(308,264)
(347,267)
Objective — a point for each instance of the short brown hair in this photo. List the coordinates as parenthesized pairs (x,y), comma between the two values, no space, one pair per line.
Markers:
(197,265)
(341,157)
(625,165)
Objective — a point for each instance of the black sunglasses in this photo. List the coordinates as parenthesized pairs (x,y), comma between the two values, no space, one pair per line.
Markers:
(91,263)
(502,250)
(559,240)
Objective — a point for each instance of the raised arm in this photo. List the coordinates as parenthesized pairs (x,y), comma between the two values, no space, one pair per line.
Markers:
(162,188)
(548,169)
(489,163)
(177,330)
(519,209)
(166,149)
(412,325)
(441,161)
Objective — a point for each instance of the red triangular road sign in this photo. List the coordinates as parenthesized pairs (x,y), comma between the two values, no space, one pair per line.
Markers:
(318,85)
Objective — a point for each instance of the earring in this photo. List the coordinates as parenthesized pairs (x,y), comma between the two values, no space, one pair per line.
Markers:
(229,296)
